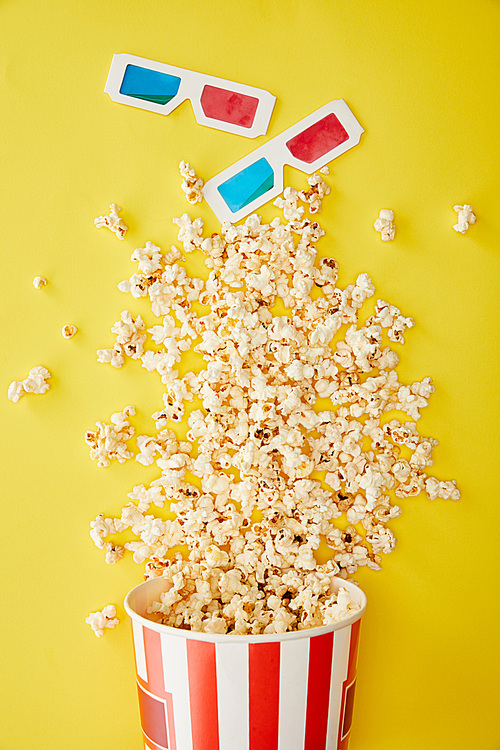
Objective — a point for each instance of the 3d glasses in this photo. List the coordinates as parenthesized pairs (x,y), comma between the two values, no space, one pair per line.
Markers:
(257,178)
(217,103)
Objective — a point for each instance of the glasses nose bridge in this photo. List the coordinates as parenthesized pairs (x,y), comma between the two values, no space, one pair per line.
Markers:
(192,87)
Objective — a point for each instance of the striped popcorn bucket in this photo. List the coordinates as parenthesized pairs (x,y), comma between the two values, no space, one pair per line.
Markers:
(285,691)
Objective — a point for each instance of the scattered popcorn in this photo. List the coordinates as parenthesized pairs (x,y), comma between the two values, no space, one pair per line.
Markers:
(191,184)
(69,330)
(385,224)
(36,382)
(317,191)
(266,473)
(325,169)
(130,337)
(106,618)
(466,216)
(109,442)
(113,222)
(289,204)
(39,282)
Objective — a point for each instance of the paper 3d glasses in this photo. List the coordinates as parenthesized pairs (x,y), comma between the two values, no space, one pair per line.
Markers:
(218,103)
(308,145)
(244,110)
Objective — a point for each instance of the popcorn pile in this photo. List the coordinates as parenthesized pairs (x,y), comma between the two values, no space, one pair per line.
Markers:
(290,447)
(36,382)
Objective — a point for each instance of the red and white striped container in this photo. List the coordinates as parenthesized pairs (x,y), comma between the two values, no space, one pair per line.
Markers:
(289,691)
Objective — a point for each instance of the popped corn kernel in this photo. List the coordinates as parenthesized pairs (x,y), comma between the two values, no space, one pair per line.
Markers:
(106,618)
(191,184)
(36,382)
(68,331)
(385,224)
(113,221)
(39,282)
(466,216)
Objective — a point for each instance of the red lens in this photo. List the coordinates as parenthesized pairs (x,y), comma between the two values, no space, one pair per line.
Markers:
(318,140)
(228,106)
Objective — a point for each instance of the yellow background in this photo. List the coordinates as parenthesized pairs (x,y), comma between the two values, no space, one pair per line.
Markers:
(423,80)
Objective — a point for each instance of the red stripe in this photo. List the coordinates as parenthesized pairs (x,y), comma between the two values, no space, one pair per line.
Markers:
(203,695)
(318,691)
(264,687)
(156,678)
(154,663)
(171,727)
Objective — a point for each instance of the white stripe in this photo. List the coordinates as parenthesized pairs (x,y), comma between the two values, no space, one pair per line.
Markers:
(175,671)
(294,669)
(232,695)
(140,654)
(340,665)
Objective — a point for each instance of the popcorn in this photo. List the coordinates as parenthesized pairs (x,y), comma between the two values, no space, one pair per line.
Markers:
(234,521)
(113,221)
(15,391)
(191,184)
(36,382)
(130,338)
(289,204)
(106,618)
(68,331)
(385,224)
(466,216)
(109,442)
(112,356)
(314,196)
(39,282)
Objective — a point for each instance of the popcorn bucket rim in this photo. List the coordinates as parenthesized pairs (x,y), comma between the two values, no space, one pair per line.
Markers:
(358,595)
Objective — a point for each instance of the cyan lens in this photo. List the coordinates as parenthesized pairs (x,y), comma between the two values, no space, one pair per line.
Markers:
(248,185)
(151,85)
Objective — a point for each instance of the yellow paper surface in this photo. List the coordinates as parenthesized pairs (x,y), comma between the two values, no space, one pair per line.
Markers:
(421,78)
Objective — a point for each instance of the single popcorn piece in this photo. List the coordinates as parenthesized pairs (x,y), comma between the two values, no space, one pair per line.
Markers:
(68,331)
(385,224)
(191,184)
(113,221)
(466,216)
(36,382)
(39,282)
(106,618)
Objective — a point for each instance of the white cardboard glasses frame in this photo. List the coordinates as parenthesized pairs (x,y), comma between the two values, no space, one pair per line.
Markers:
(278,151)
(217,102)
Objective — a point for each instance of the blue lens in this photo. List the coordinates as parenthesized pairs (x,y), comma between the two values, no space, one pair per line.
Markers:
(151,85)
(248,185)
